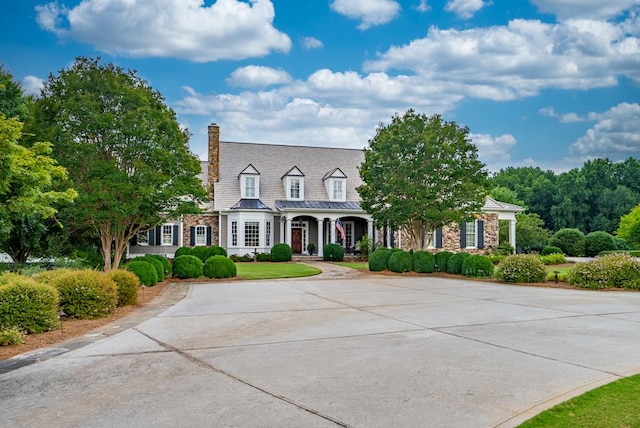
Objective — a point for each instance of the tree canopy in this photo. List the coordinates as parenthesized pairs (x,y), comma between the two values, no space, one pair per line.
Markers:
(125,151)
(421,172)
(629,228)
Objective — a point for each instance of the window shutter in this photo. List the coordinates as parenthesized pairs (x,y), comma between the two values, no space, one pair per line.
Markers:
(158,231)
(439,237)
(175,234)
(480,234)
(208,235)
(192,236)
(463,235)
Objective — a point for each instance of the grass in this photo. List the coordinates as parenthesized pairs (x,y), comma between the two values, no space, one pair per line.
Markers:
(354,265)
(614,405)
(562,275)
(270,270)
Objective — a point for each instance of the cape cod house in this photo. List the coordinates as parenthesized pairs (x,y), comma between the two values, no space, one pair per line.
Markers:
(263,194)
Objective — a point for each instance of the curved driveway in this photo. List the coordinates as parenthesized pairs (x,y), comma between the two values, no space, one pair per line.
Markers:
(371,351)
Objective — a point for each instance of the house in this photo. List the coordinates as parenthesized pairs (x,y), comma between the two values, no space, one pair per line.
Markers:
(263,194)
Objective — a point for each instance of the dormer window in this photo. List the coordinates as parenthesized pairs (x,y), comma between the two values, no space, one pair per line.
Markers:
(294,184)
(336,184)
(250,183)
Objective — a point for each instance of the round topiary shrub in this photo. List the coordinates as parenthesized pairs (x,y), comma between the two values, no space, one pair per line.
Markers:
(187,267)
(127,284)
(281,253)
(157,265)
(47,276)
(521,268)
(183,251)
(219,267)
(442,259)
(145,271)
(379,259)
(215,250)
(87,294)
(333,253)
(424,262)
(571,241)
(610,271)
(550,249)
(454,264)
(477,266)
(26,304)
(596,242)
(400,261)
(165,263)
(200,252)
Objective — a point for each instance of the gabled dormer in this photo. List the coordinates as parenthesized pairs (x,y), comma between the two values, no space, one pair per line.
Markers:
(249,183)
(335,181)
(293,182)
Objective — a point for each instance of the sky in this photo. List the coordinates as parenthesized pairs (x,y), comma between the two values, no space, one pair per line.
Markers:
(542,83)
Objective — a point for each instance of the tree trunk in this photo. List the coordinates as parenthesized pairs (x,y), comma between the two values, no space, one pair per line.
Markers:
(105,242)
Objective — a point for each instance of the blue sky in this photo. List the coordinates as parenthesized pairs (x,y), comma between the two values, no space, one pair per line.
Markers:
(548,83)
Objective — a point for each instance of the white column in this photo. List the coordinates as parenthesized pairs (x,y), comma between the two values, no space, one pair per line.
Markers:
(288,231)
(320,236)
(333,231)
(370,230)
(282,226)
(512,233)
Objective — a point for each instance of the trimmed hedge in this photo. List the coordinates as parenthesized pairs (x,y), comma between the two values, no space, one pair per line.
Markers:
(596,242)
(522,268)
(610,271)
(424,262)
(571,241)
(550,249)
(157,265)
(379,259)
(183,251)
(219,267)
(165,263)
(215,250)
(454,264)
(400,261)
(127,284)
(442,259)
(281,253)
(27,304)
(477,266)
(86,294)
(187,267)
(333,253)
(144,270)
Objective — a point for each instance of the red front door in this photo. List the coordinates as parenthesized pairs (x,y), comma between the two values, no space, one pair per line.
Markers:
(296,240)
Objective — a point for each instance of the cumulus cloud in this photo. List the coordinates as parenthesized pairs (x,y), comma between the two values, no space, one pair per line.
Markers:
(368,12)
(616,135)
(465,9)
(591,9)
(423,6)
(494,151)
(185,29)
(311,43)
(254,76)
(32,85)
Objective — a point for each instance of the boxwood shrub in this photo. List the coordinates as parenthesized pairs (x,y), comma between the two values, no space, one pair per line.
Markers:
(215,250)
(379,259)
(183,251)
(333,252)
(219,267)
(424,262)
(165,263)
(145,271)
(550,249)
(596,242)
(477,266)
(400,261)
(27,304)
(442,259)
(613,270)
(454,264)
(281,253)
(157,265)
(522,268)
(571,241)
(187,267)
(86,294)
(263,257)
(127,284)
(200,252)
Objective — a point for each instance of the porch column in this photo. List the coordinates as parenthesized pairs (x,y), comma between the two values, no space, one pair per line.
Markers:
(370,230)
(333,231)
(320,236)
(288,231)
(512,233)
(282,226)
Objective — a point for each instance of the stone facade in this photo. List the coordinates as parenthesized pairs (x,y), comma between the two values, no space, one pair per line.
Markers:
(200,220)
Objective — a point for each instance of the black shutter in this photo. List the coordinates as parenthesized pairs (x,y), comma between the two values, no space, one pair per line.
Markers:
(208,235)
(192,236)
(463,235)
(439,237)
(151,233)
(158,235)
(480,234)
(175,234)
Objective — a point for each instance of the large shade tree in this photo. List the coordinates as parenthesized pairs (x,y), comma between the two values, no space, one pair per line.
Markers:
(421,172)
(125,151)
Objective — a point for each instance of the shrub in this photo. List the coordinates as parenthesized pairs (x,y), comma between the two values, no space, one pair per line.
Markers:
(26,304)
(215,250)
(496,258)
(183,251)
(364,245)
(400,261)
(570,241)
(424,262)
(379,259)
(263,257)
(442,259)
(243,259)
(47,277)
(504,249)
(127,284)
(10,336)
(477,266)
(157,265)
(553,259)
(333,252)
(521,268)
(219,267)
(187,267)
(200,252)
(621,244)
(145,271)
(614,270)
(550,249)
(281,253)
(86,294)
(165,263)
(596,242)
(454,264)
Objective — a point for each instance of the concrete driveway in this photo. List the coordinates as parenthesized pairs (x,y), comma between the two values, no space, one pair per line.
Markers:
(374,351)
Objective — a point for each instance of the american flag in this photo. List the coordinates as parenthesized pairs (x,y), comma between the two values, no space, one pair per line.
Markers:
(340,228)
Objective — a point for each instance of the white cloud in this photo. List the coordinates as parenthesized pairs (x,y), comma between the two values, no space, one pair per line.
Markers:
(494,151)
(423,6)
(592,9)
(32,85)
(616,135)
(253,76)
(548,112)
(368,12)
(465,9)
(186,29)
(311,43)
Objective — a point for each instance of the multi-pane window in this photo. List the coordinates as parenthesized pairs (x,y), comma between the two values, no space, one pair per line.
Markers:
(471,234)
(167,234)
(201,235)
(143,238)
(430,239)
(338,193)
(294,189)
(251,233)
(267,234)
(234,233)
(250,187)
(348,233)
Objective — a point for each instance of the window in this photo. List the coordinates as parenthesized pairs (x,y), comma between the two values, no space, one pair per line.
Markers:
(234,233)
(267,234)
(143,238)
(167,234)
(430,239)
(249,187)
(251,233)
(338,192)
(201,235)
(471,234)
(294,188)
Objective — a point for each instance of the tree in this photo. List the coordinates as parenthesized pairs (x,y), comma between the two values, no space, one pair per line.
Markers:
(125,152)
(629,228)
(421,173)
(13,102)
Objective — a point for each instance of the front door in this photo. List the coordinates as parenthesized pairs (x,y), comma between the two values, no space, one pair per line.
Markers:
(296,240)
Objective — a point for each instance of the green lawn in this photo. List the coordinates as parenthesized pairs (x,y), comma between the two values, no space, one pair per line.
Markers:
(270,270)
(354,265)
(562,276)
(614,405)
